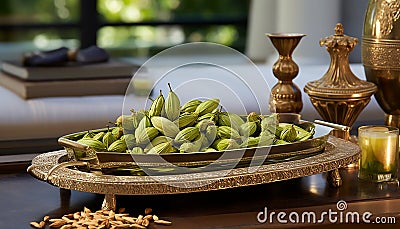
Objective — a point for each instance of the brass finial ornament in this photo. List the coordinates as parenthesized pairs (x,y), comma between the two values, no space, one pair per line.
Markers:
(285,95)
(339,96)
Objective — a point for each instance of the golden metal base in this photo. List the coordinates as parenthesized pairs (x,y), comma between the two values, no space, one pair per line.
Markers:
(109,202)
(341,134)
(334,179)
(392,120)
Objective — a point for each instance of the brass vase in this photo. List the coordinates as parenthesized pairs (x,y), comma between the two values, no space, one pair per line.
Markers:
(381,56)
(285,95)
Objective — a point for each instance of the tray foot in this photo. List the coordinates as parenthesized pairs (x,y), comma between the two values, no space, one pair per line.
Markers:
(65,197)
(334,179)
(109,202)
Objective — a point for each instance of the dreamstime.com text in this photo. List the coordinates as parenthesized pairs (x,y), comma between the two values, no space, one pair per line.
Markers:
(338,215)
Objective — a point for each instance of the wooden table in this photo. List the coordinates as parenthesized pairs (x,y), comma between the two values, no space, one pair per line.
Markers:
(24,199)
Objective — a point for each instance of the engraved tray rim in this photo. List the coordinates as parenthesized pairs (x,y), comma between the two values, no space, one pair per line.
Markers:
(338,153)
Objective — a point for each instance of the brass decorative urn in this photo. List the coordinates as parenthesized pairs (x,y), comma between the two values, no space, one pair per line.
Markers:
(339,96)
(381,56)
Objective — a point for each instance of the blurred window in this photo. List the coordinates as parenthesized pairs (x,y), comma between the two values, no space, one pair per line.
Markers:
(124,27)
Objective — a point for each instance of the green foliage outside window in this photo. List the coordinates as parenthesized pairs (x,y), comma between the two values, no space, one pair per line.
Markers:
(140,40)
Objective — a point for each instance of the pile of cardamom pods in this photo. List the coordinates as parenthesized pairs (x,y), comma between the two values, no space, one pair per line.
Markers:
(196,126)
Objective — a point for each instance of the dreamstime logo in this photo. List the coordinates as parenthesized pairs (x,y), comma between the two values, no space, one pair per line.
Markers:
(341,205)
(210,71)
(338,215)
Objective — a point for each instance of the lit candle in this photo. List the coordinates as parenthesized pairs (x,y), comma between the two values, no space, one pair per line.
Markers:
(379,153)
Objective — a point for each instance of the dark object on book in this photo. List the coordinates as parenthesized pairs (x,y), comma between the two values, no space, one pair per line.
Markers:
(29,90)
(72,71)
(92,54)
(63,55)
(46,58)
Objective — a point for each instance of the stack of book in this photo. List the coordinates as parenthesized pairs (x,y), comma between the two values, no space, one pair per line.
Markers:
(108,78)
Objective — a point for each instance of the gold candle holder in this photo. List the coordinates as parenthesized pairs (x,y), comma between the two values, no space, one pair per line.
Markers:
(285,95)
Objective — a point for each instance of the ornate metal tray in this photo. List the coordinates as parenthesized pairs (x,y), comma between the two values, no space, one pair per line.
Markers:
(337,153)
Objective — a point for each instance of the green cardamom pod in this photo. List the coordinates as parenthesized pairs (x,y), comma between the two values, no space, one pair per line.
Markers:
(215,143)
(126,122)
(208,116)
(186,119)
(195,146)
(161,139)
(303,134)
(172,105)
(108,139)
(227,132)
(253,117)
(280,142)
(207,106)
(250,142)
(99,136)
(189,147)
(203,124)
(146,135)
(266,139)
(190,106)
(117,132)
(186,135)
(157,106)
(165,126)
(270,122)
(230,119)
(236,119)
(88,134)
(136,117)
(162,148)
(118,121)
(211,133)
(288,133)
(130,140)
(278,131)
(144,122)
(203,141)
(226,144)
(223,119)
(92,143)
(248,129)
(157,140)
(163,113)
(117,146)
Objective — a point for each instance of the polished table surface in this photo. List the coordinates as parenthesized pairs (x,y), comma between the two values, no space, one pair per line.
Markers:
(24,199)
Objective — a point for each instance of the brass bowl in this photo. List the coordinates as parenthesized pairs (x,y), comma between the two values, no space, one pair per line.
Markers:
(80,152)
